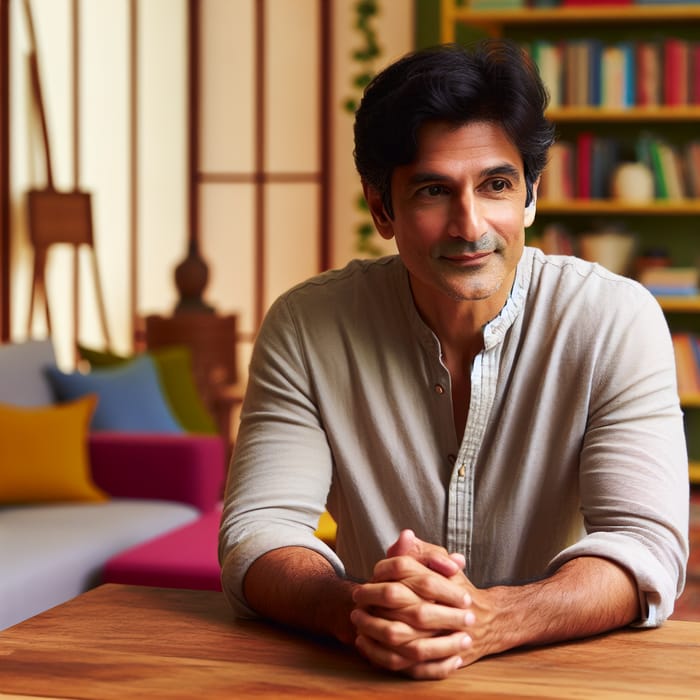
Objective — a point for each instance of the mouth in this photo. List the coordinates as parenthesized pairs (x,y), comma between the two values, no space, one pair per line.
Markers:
(468,259)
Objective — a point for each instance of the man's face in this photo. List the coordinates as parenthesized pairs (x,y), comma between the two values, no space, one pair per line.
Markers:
(459,213)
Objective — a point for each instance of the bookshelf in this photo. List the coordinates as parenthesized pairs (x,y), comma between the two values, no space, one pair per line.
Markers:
(673,223)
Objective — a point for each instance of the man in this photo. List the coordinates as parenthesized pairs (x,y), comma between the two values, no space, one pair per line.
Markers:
(496,432)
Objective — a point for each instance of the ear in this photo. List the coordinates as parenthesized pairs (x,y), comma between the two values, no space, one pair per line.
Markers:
(381,219)
(530,209)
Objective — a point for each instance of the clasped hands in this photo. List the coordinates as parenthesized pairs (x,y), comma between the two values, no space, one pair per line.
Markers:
(419,614)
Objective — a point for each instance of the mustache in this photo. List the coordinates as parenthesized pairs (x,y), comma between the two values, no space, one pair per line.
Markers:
(456,247)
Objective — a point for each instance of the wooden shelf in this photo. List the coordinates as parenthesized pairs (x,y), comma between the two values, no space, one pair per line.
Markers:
(680,304)
(635,14)
(658,207)
(659,113)
(690,400)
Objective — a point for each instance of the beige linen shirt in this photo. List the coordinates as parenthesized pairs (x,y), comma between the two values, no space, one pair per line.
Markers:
(574,443)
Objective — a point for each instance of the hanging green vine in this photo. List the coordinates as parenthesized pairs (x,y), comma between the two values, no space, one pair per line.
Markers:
(365,56)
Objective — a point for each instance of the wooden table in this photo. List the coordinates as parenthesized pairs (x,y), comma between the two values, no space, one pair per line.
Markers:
(130,642)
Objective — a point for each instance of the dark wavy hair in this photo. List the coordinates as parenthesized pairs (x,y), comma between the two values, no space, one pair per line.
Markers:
(493,81)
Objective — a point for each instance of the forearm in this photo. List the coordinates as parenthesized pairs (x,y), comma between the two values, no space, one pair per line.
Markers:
(298,587)
(586,596)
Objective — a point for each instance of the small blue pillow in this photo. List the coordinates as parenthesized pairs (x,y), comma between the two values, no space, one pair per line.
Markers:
(129,397)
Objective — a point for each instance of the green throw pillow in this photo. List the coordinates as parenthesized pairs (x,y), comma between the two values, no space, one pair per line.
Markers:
(174,368)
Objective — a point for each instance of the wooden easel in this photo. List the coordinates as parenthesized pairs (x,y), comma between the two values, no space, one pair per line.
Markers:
(57,217)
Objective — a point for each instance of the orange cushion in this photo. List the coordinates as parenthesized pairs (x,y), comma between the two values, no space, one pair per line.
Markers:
(44,453)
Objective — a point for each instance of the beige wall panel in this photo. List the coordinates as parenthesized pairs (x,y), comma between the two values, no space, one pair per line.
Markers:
(104,120)
(53,32)
(163,152)
(52,24)
(226,222)
(227,85)
(291,237)
(292,127)
(394,26)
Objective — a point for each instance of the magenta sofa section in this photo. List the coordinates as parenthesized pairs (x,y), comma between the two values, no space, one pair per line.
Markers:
(186,468)
(183,558)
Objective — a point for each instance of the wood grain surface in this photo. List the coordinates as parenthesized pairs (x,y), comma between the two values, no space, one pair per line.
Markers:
(124,642)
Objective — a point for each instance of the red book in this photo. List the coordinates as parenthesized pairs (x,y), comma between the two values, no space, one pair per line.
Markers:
(675,72)
(694,77)
(584,148)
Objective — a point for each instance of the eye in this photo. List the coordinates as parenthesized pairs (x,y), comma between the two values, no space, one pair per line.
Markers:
(499,185)
(433,190)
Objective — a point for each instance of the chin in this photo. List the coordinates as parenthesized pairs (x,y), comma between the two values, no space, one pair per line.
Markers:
(475,292)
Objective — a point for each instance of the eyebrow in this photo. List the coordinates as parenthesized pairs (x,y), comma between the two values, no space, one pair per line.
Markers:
(505,169)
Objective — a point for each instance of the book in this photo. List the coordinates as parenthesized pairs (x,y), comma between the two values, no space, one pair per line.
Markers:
(584,148)
(672,173)
(648,78)
(612,66)
(660,187)
(594,58)
(675,71)
(670,281)
(604,158)
(548,58)
(694,73)
(687,372)
(692,167)
(557,179)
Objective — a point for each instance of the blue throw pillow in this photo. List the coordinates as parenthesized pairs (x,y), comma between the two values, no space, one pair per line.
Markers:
(129,397)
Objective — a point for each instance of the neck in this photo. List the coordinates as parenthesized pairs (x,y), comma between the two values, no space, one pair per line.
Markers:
(459,324)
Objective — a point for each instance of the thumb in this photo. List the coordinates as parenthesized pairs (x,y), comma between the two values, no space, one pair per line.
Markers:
(405,544)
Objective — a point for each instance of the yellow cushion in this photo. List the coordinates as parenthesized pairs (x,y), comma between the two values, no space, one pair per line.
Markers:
(44,453)
(327,528)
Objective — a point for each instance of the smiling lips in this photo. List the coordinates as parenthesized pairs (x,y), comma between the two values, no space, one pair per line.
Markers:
(468,258)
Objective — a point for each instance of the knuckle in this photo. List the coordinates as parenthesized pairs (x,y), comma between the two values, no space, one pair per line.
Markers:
(395,662)
(423,615)
(394,635)
(393,594)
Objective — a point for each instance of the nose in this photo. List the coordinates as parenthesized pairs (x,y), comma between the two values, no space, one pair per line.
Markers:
(467,220)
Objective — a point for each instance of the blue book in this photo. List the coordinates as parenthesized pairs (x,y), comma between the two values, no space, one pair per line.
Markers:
(595,52)
(630,73)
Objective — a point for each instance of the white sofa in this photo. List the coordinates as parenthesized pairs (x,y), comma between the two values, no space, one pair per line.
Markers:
(53,551)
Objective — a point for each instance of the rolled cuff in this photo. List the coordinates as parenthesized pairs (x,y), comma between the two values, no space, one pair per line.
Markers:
(240,556)
(657,589)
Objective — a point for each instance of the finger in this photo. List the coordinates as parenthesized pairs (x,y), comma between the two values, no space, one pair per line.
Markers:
(459,560)
(422,616)
(403,545)
(391,633)
(425,583)
(433,657)
(434,670)
(392,594)
(430,555)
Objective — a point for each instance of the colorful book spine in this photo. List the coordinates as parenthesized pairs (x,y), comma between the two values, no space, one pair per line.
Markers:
(584,148)
(648,78)
(687,371)
(588,72)
(675,72)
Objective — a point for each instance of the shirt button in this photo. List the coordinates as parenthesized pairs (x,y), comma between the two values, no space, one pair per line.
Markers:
(439,389)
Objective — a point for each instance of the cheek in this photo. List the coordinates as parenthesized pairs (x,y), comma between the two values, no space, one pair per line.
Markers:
(421,228)
(508,222)
(431,222)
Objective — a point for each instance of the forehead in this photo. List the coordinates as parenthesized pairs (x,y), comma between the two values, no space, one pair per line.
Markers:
(479,143)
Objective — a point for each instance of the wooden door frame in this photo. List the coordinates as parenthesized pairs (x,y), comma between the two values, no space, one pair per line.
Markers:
(4,170)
